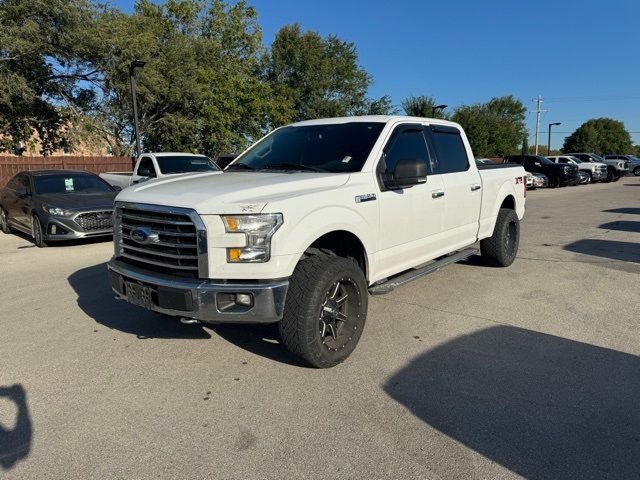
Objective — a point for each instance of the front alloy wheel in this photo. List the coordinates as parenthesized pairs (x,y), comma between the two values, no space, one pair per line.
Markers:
(4,224)
(36,233)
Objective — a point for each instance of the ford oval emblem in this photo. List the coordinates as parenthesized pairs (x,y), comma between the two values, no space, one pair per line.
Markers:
(144,235)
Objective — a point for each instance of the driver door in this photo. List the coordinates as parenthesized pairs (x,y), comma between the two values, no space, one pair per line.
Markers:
(410,218)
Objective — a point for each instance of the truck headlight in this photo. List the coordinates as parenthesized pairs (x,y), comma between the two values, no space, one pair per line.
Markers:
(56,211)
(258,230)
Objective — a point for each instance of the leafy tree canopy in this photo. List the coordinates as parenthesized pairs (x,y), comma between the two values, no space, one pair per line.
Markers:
(601,136)
(421,106)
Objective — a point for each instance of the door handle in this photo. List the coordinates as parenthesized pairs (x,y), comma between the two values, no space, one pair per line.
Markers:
(475,187)
(437,194)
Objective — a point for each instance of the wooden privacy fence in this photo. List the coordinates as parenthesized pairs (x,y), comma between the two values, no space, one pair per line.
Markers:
(10,165)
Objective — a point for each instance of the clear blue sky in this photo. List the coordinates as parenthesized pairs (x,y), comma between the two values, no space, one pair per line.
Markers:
(581,56)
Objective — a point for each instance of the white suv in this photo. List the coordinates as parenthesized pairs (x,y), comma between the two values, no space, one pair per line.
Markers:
(597,171)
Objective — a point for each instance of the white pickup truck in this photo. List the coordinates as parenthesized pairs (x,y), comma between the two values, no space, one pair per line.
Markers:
(308,221)
(158,165)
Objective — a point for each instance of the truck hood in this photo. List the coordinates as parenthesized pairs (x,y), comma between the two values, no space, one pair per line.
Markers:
(230,192)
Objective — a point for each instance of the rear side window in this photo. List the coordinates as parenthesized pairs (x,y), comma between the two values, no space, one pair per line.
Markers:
(407,143)
(450,151)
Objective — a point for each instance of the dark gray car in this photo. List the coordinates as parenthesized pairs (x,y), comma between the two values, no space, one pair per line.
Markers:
(53,205)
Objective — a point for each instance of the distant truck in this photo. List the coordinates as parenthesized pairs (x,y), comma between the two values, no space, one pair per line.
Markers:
(157,165)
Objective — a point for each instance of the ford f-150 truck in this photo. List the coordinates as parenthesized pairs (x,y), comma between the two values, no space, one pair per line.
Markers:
(158,165)
(308,221)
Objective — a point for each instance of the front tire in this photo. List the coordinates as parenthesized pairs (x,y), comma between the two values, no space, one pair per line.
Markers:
(554,182)
(501,248)
(37,233)
(4,221)
(325,310)
(636,171)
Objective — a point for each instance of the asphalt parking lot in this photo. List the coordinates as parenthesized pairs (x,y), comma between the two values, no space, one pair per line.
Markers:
(473,372)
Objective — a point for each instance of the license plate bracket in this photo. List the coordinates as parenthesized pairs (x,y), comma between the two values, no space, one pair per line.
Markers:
(139,295)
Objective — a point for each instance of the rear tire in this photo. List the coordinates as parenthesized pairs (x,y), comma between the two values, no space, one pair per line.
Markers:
(609,177)
(501,248)
(37,233)
(4,221)
(325,310)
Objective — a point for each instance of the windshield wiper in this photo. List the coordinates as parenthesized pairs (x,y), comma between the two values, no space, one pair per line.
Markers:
(293,166)
(239,166)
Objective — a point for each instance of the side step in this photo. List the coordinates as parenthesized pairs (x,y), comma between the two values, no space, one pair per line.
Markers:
(411,275)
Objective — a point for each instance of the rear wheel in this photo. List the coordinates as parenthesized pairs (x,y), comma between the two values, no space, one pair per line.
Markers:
(4,221)
(325,309)
(36,232)
(636,171)
(501,248)
(609,177)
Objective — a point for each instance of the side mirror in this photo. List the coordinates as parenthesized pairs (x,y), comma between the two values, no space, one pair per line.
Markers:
(22,192)
(408,172)
(538,164)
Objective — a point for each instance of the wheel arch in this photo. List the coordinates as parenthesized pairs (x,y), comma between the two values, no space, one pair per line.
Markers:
(342,243)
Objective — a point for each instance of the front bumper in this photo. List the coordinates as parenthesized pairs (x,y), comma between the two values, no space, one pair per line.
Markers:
(598,175)
(204,300)
(67,228)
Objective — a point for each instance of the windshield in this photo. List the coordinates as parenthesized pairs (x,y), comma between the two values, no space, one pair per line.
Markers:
(332,148)
(544,160)
(595,157)
(171,164)
(576,159)
(70,183)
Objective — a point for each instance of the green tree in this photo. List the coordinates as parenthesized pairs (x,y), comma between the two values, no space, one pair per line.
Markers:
(599,135)
(381,106)
(44,48)
(421,106)
(495,128)
(315,76)
(525,145)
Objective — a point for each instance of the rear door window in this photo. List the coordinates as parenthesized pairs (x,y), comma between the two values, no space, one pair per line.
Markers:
(451,154)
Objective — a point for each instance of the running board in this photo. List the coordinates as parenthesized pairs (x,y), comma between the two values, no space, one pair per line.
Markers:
(411,275)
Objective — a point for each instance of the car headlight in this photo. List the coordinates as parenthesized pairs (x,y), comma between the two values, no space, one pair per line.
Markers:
(56,211)
(258,230)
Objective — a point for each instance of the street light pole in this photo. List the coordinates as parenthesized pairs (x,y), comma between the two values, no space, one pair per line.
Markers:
(132,76)
(436,108)
(549,139)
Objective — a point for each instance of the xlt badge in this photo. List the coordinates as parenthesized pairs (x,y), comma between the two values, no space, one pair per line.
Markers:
(367,197)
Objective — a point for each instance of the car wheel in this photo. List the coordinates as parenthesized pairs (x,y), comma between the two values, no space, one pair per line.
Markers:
(4,222)
(609,177)
(501,248)
(36,233)
(554,182)
(636,171)
(325,309)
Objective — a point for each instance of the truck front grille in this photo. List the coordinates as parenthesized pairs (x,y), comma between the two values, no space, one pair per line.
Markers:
(95,221)
(165,239)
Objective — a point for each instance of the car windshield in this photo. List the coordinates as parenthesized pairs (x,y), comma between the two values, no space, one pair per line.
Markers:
(595,157)
(576,159)
(544,160)
(171,164)
(332,148)
(70,183)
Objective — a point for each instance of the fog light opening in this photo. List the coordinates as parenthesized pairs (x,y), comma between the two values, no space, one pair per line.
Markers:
(244,299)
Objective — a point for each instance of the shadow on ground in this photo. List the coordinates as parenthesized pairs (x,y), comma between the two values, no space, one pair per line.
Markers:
(632,211)
(96,299)
(15,440)
(542,406)
(622,225)
(58,244)
(612,249)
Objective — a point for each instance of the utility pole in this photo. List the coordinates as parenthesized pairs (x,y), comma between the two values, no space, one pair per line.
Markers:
(538,112)
(549,141)
(132,77)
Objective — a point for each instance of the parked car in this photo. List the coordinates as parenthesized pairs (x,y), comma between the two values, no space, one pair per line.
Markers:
(158,165)
(615,168)
(633,162)
(540,180)
(583,178)
(307,221)
(530,185)
(52,205)
(559,175)
(596,171)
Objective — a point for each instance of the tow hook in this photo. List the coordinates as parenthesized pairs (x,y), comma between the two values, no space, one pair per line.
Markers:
(189,321)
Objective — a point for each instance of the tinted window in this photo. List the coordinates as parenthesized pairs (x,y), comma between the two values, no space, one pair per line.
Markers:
(406,144)
(70,183)
(147,164)
(450,152)
(331,147)
(184,164)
